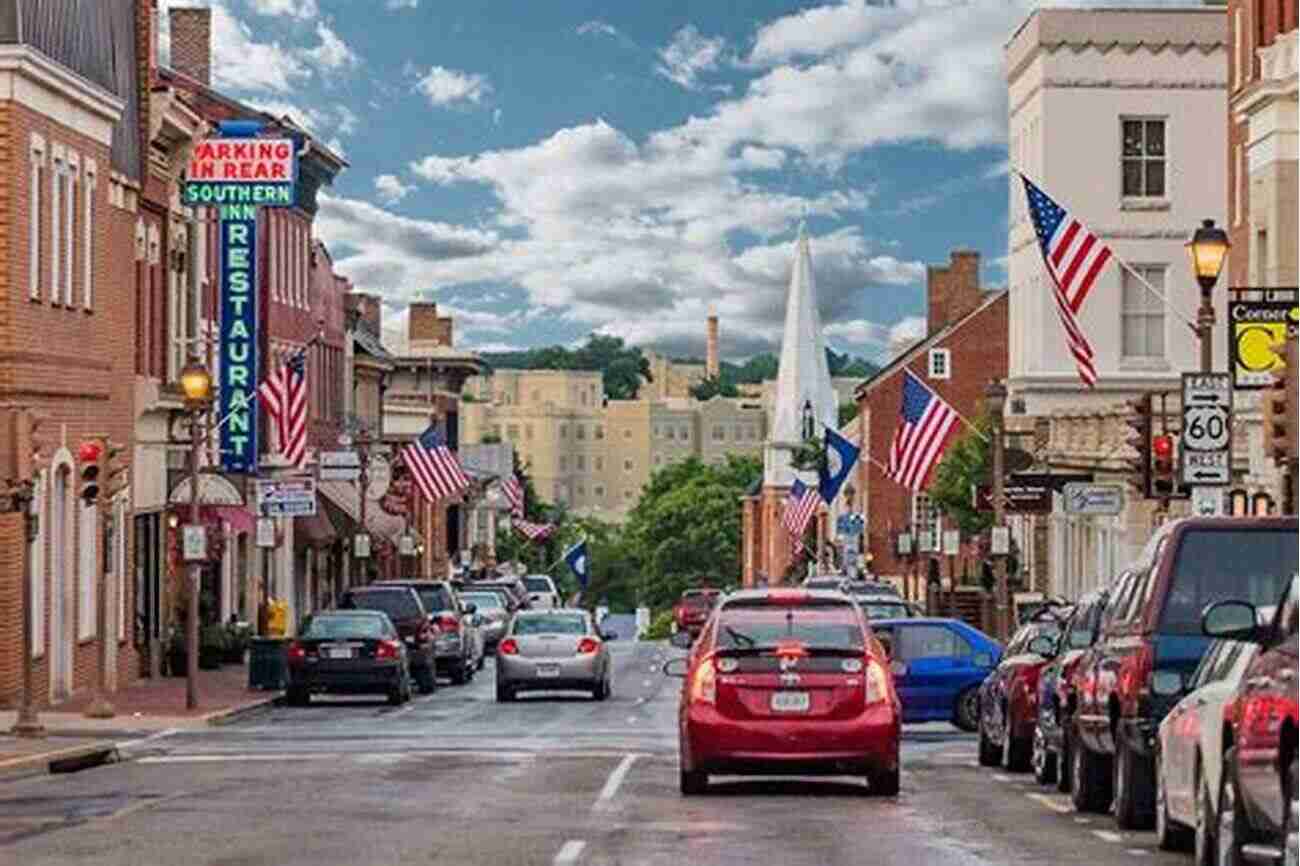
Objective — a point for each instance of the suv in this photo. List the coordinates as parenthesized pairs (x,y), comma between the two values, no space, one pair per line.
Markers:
(1257,788)
(455,641)
(404,608)
(1152,641)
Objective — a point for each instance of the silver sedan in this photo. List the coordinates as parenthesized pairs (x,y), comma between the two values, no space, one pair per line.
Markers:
(553,650)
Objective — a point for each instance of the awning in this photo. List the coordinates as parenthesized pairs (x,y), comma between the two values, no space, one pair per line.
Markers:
(316,529)
(344,494)
(240,519)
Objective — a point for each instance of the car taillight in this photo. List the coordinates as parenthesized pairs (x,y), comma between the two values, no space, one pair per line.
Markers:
(297,653)
(704,685)
(877,682)
(1262,717)
(588,646)
(447,623)
(1134,673)
(387,649)
(508,647)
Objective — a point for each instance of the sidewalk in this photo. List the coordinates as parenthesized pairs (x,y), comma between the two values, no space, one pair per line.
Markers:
(149,707)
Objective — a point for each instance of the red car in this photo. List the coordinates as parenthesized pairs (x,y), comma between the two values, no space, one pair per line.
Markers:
(787,682)
(693,608)
(1257,787)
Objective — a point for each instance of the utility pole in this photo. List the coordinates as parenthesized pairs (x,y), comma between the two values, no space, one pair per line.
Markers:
(995,395)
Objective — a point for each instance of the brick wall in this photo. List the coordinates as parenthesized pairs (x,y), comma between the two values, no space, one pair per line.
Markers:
(192,43)
(979,353)
(952,290)
(427,326)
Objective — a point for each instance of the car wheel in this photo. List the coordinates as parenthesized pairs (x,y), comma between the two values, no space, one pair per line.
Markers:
(505,694)
(1204,845)
(427,680)
(989,754)
(396,696)
(1230,828)
(1044,761)
(459,674)
(1063,773)
(599,692)
(1170,836)
(966,710)
(1089,779)
(1134,798)
(883,783)
(693,782)
(1015,752)
(297,697)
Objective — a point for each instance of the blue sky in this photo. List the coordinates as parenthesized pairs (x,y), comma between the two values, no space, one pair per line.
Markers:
(551,169)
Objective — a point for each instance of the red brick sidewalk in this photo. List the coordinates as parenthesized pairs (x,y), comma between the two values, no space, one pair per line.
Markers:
(219,692)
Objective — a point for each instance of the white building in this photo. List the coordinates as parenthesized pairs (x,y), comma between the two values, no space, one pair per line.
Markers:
(1114,113)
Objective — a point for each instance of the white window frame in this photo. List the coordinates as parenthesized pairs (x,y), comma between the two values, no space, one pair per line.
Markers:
(70,227)
(37,178)
(926,517)
(177,310)
(86,572)
(88,235)
(56,245)
(1153,309)
(943,368)
(1164,158)
(36,597)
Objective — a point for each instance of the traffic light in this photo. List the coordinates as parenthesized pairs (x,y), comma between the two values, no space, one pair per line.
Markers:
(1138,421)
(1162,465)
(89,456)
(116,476)
(1277,408)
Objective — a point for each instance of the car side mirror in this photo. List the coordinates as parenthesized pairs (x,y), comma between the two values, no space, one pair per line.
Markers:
(1043,646)
(681,640)
(1234,620)
(676,667)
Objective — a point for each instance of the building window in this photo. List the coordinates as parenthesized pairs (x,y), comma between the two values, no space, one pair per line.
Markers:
(70,228)
(86,573)
(598,433)
(1144,158)
(628,465)
(1261,275)
(600,464)
(627,433)
(1142,315)
(940,364)
(659,432)
(1239,188)
(1239,31)
(659,460)
(582,397)
(599,491)
(34,218)
(926,523)
(627,495)
(564,463)
(56,243)
(564,431)
(670,432)
(88,237)
(579,432)
(582,491)
(686,434)
(580,463)
(719,433)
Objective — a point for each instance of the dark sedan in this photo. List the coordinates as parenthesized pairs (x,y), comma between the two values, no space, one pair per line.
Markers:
(404,608)
(354,652)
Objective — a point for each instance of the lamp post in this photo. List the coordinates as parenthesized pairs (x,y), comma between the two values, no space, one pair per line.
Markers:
(196,383)
(1208,248)
(28,723)
(995,398)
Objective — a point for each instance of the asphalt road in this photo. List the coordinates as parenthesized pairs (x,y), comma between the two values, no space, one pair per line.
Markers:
(454,778)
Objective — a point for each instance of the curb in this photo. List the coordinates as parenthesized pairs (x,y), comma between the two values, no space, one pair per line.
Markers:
(234,714)
(68,760)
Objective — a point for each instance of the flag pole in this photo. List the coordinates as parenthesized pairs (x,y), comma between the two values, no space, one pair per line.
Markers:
(960,416)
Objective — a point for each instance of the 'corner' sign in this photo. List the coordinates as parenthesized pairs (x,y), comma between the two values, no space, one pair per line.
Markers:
(236,174)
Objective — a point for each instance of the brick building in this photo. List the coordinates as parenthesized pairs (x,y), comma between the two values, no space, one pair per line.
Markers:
(72,123)
(965,346)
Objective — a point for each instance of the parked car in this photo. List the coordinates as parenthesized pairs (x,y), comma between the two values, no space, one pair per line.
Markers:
(1056,685)
(873,587)
(457,646)
(693,609)
(787,681)
(554,650)
(513,585)
(1189,753)
(875,606)
(494,615)
(1152,642)
(348,652)
(542,592)
(938,665)
(404,608)
(1009,695)
(1257,788)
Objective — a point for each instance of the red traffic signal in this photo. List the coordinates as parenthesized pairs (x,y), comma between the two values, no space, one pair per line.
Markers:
(89,454)
(1163,447)
(89,451)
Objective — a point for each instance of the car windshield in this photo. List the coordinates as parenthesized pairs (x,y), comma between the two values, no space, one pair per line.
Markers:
(551,624)
(885,609)
(345,626)
(398,604)
(434,598)
(824,583)
(821,627)
(1253,565)
(484,600)
(538,584)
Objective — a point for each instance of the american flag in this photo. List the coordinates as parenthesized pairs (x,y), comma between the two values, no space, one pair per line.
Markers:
(800,506)
(434,466)
(514,492)
(534,531)
(1074,257)
(923,427)
(284,393)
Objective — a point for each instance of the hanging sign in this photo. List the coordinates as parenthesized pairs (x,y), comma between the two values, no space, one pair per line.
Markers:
(241,171)
(1253,328)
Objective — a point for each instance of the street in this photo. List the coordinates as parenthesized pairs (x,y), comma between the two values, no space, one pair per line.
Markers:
(455,777)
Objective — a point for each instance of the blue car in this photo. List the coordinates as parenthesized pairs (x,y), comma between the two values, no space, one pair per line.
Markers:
(938,666)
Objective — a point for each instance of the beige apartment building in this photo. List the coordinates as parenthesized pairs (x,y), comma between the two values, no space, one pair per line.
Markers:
(595,455)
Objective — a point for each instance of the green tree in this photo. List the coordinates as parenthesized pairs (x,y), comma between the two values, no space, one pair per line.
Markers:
(712,387)
(847,412)
(967,462)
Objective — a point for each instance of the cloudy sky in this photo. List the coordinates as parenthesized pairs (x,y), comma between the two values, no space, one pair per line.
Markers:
(551,169)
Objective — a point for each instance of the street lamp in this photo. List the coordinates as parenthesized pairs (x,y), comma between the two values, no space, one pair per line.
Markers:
(1208,248)
(196,384)
(995,401)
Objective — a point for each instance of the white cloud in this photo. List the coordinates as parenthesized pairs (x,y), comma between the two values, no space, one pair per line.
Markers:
(496,117)
(241,64)
(347,120)
(448,86)
(290,8)
(390,188)
(596,27)
(689,53)
(332,54)
(401,4)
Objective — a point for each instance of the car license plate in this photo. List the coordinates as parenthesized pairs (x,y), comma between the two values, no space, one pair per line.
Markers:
(790,702)
(548,670)
(339,652)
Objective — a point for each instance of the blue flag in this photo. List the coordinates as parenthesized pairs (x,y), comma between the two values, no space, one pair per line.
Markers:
(841,455)
(576,557)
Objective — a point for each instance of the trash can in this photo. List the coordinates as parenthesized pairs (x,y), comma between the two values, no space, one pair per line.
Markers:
(268,663)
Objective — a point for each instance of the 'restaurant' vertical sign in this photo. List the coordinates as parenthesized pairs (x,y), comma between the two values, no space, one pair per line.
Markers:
(237,173)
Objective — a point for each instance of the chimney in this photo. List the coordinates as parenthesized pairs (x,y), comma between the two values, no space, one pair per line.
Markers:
(426,328)
(712,368)
(192,43)
(952,291)
(367,308)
